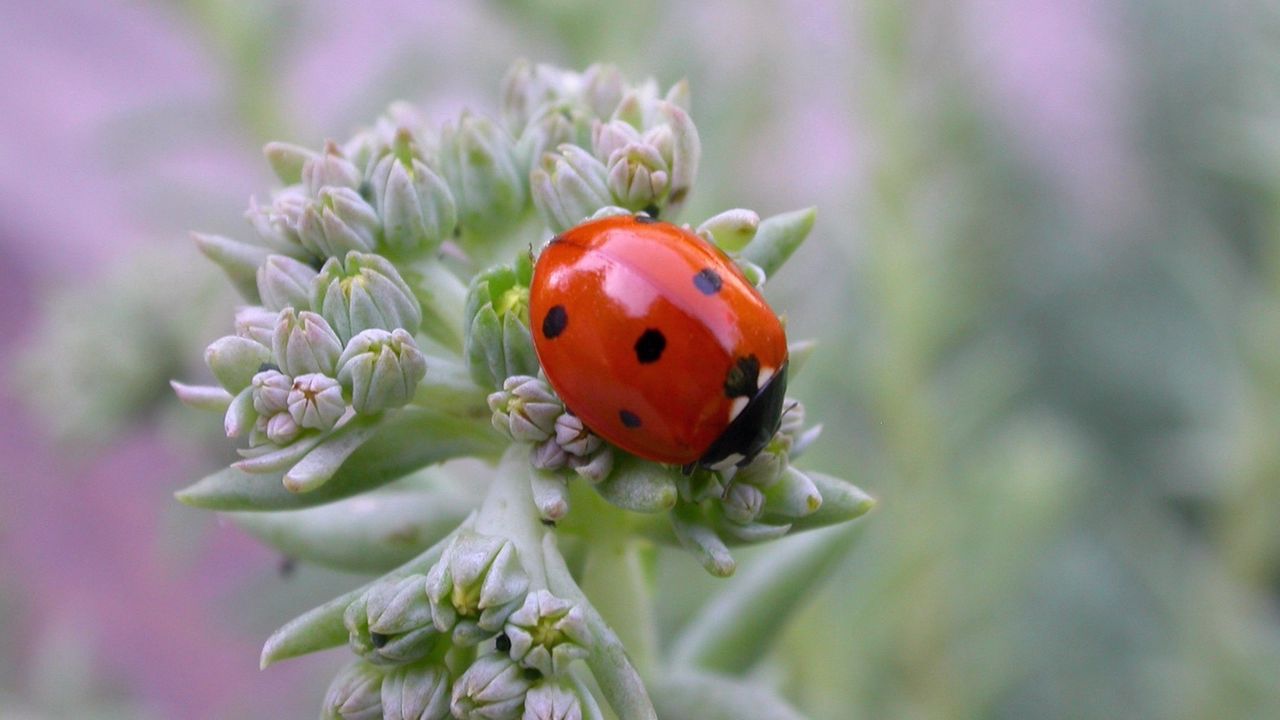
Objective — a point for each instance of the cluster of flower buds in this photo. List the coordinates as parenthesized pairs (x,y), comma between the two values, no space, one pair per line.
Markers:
(362,272)
(409,633)
(595,141)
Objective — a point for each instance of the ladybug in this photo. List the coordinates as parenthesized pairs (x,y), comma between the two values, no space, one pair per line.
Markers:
(653,337)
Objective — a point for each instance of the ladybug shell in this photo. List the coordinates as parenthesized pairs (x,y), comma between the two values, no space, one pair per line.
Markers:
(655,339)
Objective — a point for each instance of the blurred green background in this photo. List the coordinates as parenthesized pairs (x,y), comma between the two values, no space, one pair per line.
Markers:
(1045,278)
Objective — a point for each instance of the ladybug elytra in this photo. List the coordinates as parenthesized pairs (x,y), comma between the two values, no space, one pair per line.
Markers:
(654,338)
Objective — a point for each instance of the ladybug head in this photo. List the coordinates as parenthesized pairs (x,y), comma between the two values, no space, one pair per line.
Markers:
(752,429)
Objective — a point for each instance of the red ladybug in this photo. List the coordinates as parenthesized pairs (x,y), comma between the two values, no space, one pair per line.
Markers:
(654,338)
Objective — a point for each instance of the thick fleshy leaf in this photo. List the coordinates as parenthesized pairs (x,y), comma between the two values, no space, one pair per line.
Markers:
(239,260)
(714,697)
(694,535)
(287,159)
(640,486)
(414,439)
(371,533)
(777,238)
(841,502)
(736,627)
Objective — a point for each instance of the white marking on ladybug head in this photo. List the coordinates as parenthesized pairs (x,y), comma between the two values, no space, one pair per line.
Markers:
(730,461)
(735,409)
(763,376)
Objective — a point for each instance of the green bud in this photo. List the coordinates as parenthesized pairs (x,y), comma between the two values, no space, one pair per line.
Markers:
(568,186)
(417,209)
(256,323)
(271,392)
(498,344)
(526,88)
(240,415)
(277,223)
(391,623)
(337,222)
(493,688)
(364,291)
(574,436)
(381,369)
(239,260)
(742,503)
(287,160)
(479,578)
(477,160)
(602,86)
(315,401)
(280,428)
(638,176)
(731,230)
(329,169)
(554,124)
(234,361)
(416,692)
(355,694)
(304,343)
(525,409)
(596,467)
(547,633)
(285,282)
(640,486)
(549,700)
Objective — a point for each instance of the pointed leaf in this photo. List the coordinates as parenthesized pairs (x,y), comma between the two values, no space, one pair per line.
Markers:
(777,238)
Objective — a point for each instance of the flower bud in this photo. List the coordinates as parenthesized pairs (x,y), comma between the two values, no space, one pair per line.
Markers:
(256,323)
(280,428)
(329,169)
(315,401)
(731,230)
(574,437)
(234,361)
(498,344)
(610,137)
(549,700)
(477,161)
(391,623)
(417,209)
(338,221)
(547,633)
(355,694)
(304,343)
(742,503)
(638,176)
(569,186)
(595,468)
(525,409)
(793,495)
(271,392)
(554,124)
(493,688)
(478,578)
(285,282)
(525,88)
(601,88)
(381,369)
(364,291)
(416,692)
(277,223)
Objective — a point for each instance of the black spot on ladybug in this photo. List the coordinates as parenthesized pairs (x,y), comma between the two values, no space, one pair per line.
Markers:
(379,640)
(742,379)
(707,281)
(503,643)
(629,419)
(555,322)
(650,346)
(646,219)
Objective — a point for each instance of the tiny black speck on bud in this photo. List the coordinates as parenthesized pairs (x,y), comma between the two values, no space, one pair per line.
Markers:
(379,640)
(287,564)
(548,523)
(263,368)
(503,643)
(532,674)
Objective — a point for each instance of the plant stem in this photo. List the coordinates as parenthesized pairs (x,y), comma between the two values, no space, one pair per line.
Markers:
(619,585)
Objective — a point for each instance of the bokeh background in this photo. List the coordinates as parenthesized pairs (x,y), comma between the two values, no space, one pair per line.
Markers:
(1045,277)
